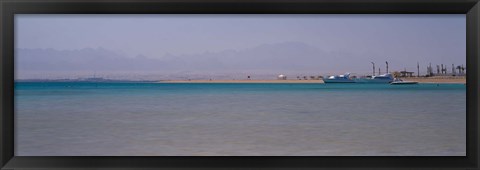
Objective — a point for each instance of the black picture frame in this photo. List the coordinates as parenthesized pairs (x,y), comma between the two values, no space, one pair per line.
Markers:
(9,8)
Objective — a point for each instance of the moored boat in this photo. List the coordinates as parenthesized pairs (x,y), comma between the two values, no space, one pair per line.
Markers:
(398,81)
(345,78)
(384,78)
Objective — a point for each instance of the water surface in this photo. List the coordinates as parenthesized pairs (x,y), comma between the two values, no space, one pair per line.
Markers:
(166,119)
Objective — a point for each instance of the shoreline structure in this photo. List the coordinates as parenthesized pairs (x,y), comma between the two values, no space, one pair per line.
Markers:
(443,80)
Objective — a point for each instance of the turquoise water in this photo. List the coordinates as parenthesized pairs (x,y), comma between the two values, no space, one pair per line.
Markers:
(165,119)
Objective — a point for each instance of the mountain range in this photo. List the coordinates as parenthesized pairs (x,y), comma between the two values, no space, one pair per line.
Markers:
(285,57)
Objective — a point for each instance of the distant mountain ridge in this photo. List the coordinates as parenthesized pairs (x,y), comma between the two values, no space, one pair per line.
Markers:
(79,60)
(267,58)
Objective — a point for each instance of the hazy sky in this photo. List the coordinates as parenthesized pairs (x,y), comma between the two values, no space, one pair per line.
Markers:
(401,39)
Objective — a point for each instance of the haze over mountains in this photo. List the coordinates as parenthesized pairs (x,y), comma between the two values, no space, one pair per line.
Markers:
(165,46)
(263,60)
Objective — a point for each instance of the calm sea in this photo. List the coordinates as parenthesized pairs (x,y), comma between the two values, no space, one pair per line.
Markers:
(165,119)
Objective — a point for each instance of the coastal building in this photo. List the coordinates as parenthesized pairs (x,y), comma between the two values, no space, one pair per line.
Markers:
(406,73)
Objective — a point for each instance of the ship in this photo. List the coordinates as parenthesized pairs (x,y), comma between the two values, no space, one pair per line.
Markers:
(344,78)
(384,78)
(398,81)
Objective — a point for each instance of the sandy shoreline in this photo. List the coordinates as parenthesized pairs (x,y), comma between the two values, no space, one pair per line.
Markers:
(420,80)
(459,80)
(242,81)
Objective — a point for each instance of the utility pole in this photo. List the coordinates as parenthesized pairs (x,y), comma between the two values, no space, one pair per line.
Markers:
(373,68)
(418,69)
(387,65)
(453,69)
(428,70)
(431,70)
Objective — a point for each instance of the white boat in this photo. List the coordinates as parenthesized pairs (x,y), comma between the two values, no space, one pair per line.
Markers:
(345,78)
(384,78)
(398,81)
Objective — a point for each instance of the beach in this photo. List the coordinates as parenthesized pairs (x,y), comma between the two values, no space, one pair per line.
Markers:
(242,81)
(459,80)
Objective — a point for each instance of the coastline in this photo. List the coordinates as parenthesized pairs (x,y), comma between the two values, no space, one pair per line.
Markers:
(442,80)
(241,81)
